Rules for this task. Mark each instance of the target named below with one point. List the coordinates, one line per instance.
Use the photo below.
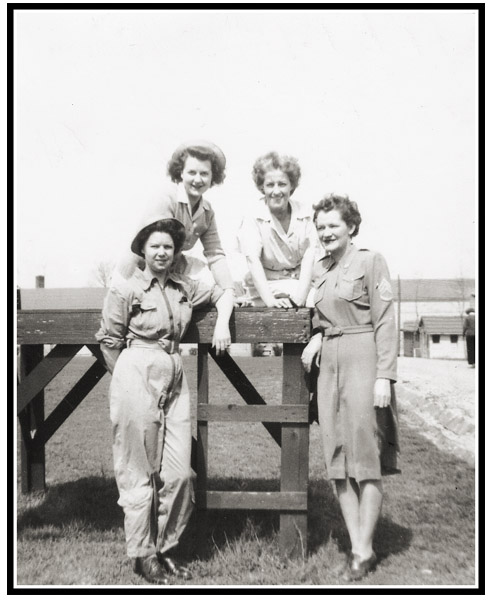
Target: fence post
(202, 449)
(294, 454)
(32, 458)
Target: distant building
(421, 298)
(432, 297)
(434, 337)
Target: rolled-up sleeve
(115, 320)
(202, 293)
(383, 317)
(249, 238)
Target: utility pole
(399, 313)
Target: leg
(348, 495)
(370, 501)
(176, 496)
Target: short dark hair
(273, 161)
(169, 226)
(177, 164)
(348, 209)
(469, 310)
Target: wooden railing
(69, 329)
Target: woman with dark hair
(355, 340)
(143, 321)
(194, 168)
(278, 237)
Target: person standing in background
(469, 332)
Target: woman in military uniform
(356, 343)
(143, 321)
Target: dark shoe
(149, 568)
(173, 567)
(359, 568)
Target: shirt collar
(146, 280)
(344, 261)
(183, 198)
(297, 211)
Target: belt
(293, 273)
(336, 331)
(169, 346)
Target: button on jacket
(354, 310)
(150, 405)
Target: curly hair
(347, 208)
(273, 161)
(177, 163)
(169, 226)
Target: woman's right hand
(310, 352)
(279, 303)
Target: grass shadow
(90, 502)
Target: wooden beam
(253, 414)
(294, 454)
(247, 325)
(217, 500)
(245, 388)
(37, 379)
(72, 399)
(32, 460)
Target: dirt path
(438, 397)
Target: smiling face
(196, 177)
(334, 233)
(159, 251)
(277, 190)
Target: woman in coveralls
(356, 344)
(194, 168)
(143, 321)
(278, 237)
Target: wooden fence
(41, 321)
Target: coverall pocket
(352, 287)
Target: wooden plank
(43, 373)
(294, 454)
(247, 325)
(63, 298)
(72, 399)
(218, 500)
(245, 388)
(33, 460)
(266, 414)
(202, 427)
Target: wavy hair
(274, 161)
(177, 164)
(347, 208)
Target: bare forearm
(260, 281)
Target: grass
(73, 533)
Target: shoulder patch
(384, 287)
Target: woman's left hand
(382, 393)
(221, 337)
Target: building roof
(434, 290)
(410, 326)
(447, 325)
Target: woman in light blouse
(277, 238)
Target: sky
(382, 105)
